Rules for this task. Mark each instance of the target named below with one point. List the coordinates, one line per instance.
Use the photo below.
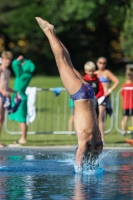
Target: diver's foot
(44, 25)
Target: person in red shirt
(127, 101)
(93, 80)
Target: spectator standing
(23, 70)
(106, 77)
(127, 101)
(6, 58)
(93, 80)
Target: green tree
(88, 28)
(127, 34)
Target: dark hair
(102, 58)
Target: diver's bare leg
(71, 81)
(70, 63)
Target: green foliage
(127, 33)
(19, 16)
(86, 27)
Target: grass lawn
(112, 139)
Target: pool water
(40, 174)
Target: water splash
(91, 165)
(88, 170)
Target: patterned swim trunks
(85, 92)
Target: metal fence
(52, 114)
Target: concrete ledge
(60, 148)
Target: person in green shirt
(23, 70)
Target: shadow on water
(30, 174)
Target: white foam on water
(68, 158)
(87, 171)
(94, 171)
(110, 161)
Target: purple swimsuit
(85, 92)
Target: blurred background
(89, 29)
